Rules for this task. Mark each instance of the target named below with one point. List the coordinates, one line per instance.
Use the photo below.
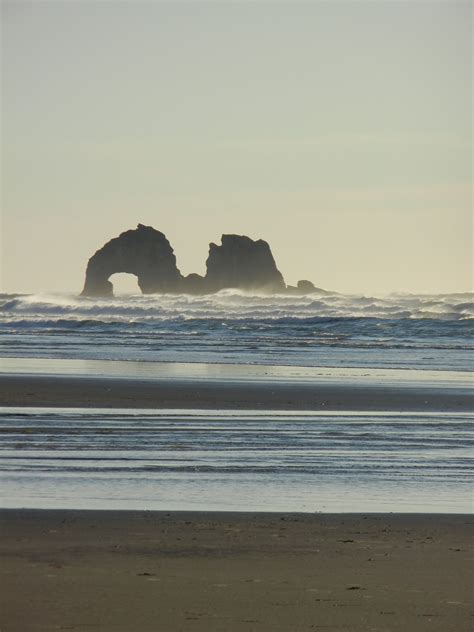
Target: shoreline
(147, 368)
(21, 390)
(223, 515)
(214, 571)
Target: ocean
(239, 460)
(334, 330)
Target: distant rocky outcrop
(237, 263)
(194, 284)
(242, 263)
(144, 252)
(305, 287)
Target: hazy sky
(340, 132)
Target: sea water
(235, 460)
(334, 330)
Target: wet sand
(215, 572)
(108, 392)
(129, 571)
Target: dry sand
(218, 572)
(101, 392)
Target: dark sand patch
(101, 392)
(213, 572)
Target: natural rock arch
(238, 262)
(144, 252)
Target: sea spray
(397, 330)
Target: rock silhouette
(144, 252)
(238, 262)
(304, 287)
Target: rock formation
(305, 287)
(144, 252)
(242, 263)
(238, 263)
(194, 284)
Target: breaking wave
(231, 304)
(231, 326)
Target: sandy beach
(80, 391)
(145, 571)
(139, 571)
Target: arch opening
(125, 284)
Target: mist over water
(394, 331)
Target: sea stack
(242, 263)
(144, 252)
(237, 263)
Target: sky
(340, 132)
